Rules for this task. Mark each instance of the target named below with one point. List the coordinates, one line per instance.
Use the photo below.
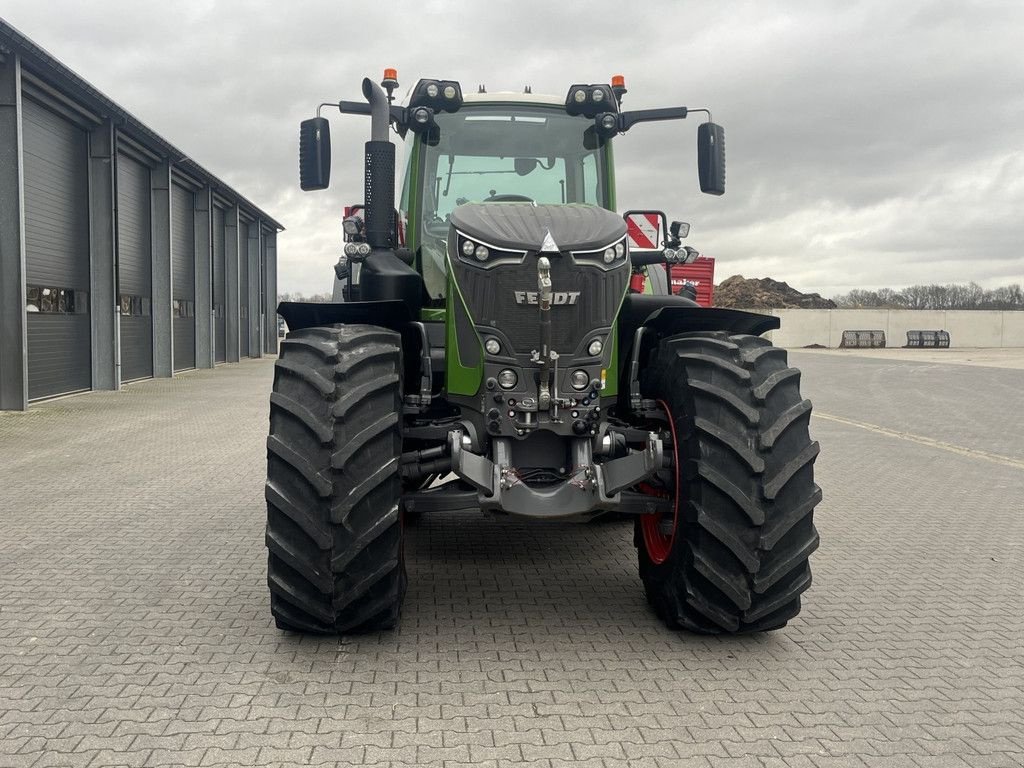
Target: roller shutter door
(183, 266)
(219, 290)
(243, 289)
(134, 268)
(56, 253)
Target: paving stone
(135, 630)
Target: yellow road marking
(995, 458)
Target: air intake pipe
(379, 196)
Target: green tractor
(492, 351)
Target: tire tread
(740, 562)
(334, 535)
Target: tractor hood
(524, 226)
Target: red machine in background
(700, 274)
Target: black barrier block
(862, 340)
(928, 339)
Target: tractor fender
(421, 355)
(393, 315)
(668, 320)
(676, 314)
(662, 316)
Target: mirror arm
(628, 119)
(354, 107)
(396, 113)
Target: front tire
(734, 557)
(334, 532)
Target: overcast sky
(869, 144)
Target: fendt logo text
(558, 297)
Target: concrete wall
(1013, 327)
(805, 327)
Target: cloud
(869, 144)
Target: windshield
(502, 152)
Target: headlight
(579, 380)
(352, 225)
(595, 348)
(364, 249)
(483, 256)
(507, 379)
(610, 256)
(438, 95)
(590, 100)
(493, 346)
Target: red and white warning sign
(644, 230)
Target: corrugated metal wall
(219, 287)
(56, 253)
(183, 276)
(134, 268)
(114, 258)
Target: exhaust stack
(379, 196)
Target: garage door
(243, 288)
(183, 267)
(219, 291)
(56, 253)
(134, 268)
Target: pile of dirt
(765, 293)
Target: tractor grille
(491, 298)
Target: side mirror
(711, 158)
(525, 165)
(314, 154)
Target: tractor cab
(489, 148)
(498, 148)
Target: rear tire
(735, 557)
(334, 532)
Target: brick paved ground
(134, 627)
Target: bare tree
(952, 296)
(316, 298)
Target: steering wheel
(437, 226)
(508, 198)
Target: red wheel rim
(657, 543)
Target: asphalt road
(975, 407)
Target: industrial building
(120, 258)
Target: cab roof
(504, 97)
